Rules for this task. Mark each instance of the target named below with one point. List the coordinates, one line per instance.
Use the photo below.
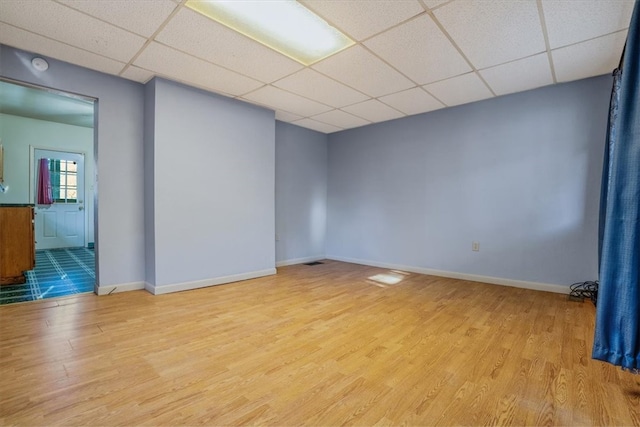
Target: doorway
(40, 123)
(60, 224)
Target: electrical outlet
(475, 246)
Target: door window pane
(64, 180)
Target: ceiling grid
(409, 56)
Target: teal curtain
(617, 332)
(54, 167)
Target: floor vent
(313, 263)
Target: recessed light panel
(283, 25)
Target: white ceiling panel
(340, 119)
(25, 40)
(520, 75)
(412, 101)
(374, 111)
(284, 116)
(414, 56)
(419, 50)
(360, 19)
(197, 35)
(460, 90)
(311, 84)
(434, 3)
(590, 58)
(137, 74)
(182, 67)
(317, 126)
(491, 32)
(280, 99)
(358, 68)
(69, 26)
(572, 21)
(142, 17)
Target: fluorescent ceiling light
(283, 25)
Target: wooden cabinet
(17, 244)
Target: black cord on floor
(582, 290)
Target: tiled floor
(58, 272)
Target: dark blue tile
(58, 272)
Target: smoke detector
(40, 64)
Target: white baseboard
(299, 260)
(536, 286)
(123, 287)
(185, 286)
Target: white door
(61, 225)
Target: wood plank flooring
(321, 345)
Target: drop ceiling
(410, 56)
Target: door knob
(81, 208)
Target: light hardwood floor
(319, 345)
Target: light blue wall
(519, 174)
(301, 193)
(213, 187)
(120, 214)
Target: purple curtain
(44, 194)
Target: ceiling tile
(359, 19)
(137, 74)
(284, 116)
(311, 84)
(491, 32)
(434, 3)
(358, 68)
(278, 99)
(572, 21)
(69, 26)
(374, 111)
(142, 17)
(182, 67)
(412, 101)
(591, 58)
(419, 50)
(340, 119)
(21, 39)
(402, 47)
(197, 35)
(317, 126)
(520, 75)
(460, 90)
